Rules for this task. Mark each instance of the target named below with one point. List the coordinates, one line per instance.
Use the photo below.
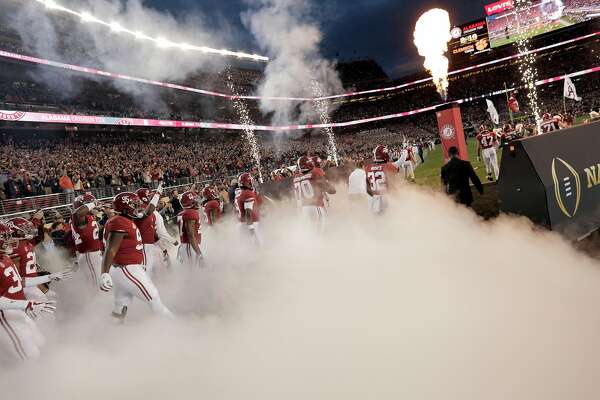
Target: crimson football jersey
(147, 227)
(378, 177)
(27, 261)
(189, 215)
(486, 139)
(87, 237)
(130, 252)
(11, 284)
(246, 199)
(212, 208)
(308, 190)
(549, 126)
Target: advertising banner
(554, 179)
(451, 130)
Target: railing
(62, 201)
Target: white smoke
(429, 302)
(59, 36)
(288, 32)
(431, 36)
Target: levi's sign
(499, 6)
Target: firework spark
(245, 119)
(322, 108)
(524, 18)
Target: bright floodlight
(161, 42)
(164, 43)
(51, 4)
(87, 17)
(115, 27)
(140, 35)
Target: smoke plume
(288, 32)
(429, 302)
(59, 36)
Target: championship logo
(11, 115)
(448, 132)
(567, 187)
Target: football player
(18, 331)
(508, 135)
(407, 156)
(549, 124)
(311, 188)
(190, 230)
(211, 205)
(86, 236)
(379, 174)
(486, 147)
(122, 264)
(247, 204)
(149, 227)
(26, 235)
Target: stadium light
(161, 42)
(87, 17)
(115, 27)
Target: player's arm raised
(154, 202)
(113, 243)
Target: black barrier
(554, 179)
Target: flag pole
(508, 104)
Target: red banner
(499, 6)
(451, 131)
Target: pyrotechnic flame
(431, 36)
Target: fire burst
(245, 120)
(322, 108)
(524, 16)
(431, 36)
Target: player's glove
(37, 308)
(106, 282)
(62, 275)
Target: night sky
(381, 29)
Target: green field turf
(562, 23)
(428, 173)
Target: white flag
(570, 92)
(493, 112)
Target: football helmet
(317, 161)
(22, 229)
(7, 242)
(83, 199)
(210, 193)
(129, 204)
(305, 164)
(546, 117)
(381, 154)
(144, 195)
(189, 199)
(245, 181)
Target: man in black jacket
(455, 178)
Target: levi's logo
(499, 6)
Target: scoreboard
(468, 40)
